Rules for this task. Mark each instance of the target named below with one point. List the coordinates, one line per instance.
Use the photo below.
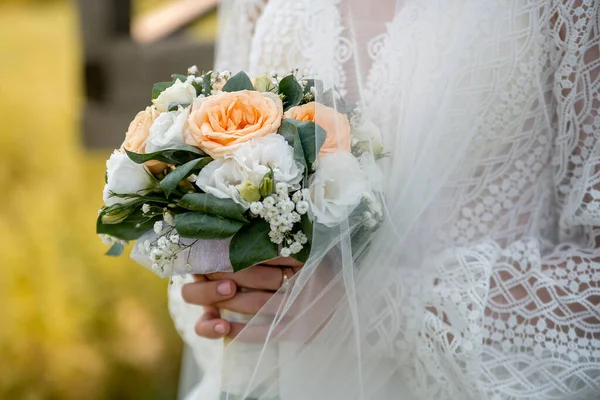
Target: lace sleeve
(545, 308)
(514, 320)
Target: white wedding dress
(486, 283)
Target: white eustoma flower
(178, 93)
(222, 179)
(258, 156)
(125, 177)
(249, 164)
(336, 188)
(167, 130)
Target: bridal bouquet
(249, 164)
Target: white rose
(167, 131)
(179, 93)
(125, 177)
(258, 156)
(336, 188)
(222, 178)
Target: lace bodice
(515, 309)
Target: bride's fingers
(208, 293)
(258, 277)
(284, 262)
(247, 302)
(212, 328)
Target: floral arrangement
(255, 162)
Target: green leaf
(264, 84)
(209, 204)
(117, 213)
(311, 137)
(177, 155)
(131, 228)
(160, 87)
(305, 226)
(170, 182)
(116, 250)
(291, 90)
(239, 81)
(205, 226)
(179, 77)
(288, 130)
(206, 84)
(251, 245)
(175, 106)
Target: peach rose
(220, 124)
(137, 135)
(335, 124)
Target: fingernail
(224, 288)
(220, 328)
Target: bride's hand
(244, 292)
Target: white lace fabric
(491, 113)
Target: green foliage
(205, 226)
(251, 245)
(206, 84)
(306, 138)
(130, 228)
(209, 204)
(264, 84)
(170, 182)
(291, 91)
(239, 81)
(116, 250)
(175, 156)
(175, 106)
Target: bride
(484, 280)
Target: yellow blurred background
(74, 324)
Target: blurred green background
(74, 324)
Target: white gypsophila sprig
(193, 70)
(158, 227)
(163, 252)
(283, 213)
(374, 216)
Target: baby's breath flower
(282, 189)
(300, 237)
(158, 227)
(193, 70)
(256, 208)
(146, 208)
(269, 202)
(302, 207)
(286, 252)
(174, 238)
(162, 241)
(296, 248)
(297, 196)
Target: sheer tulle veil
(402, 313)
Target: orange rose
(335, 124)
(220, 124)
(137, 135)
